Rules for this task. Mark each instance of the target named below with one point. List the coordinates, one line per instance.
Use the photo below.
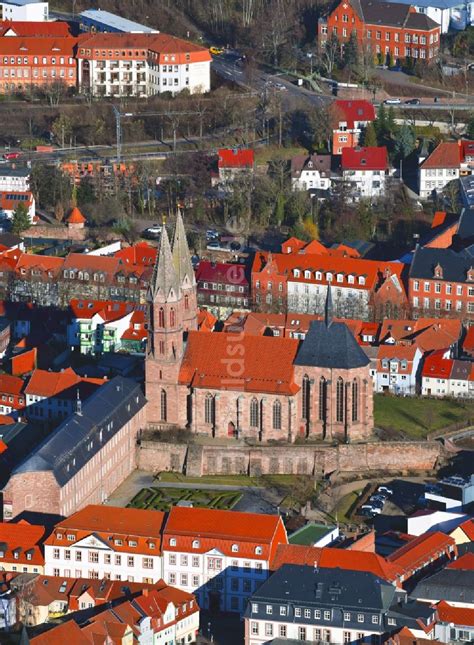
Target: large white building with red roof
(447, 162)
(365, 170)
(125, 64)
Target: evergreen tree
(351, 52)
(370, 136)
(21, 220)
(405, 141)
(391, 125)
(381, 122)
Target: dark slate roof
(330, 346)
(455, 265)
(420, 21)
(341, 590)
(104, 413)
(384, 13)
(407, 612)
(452, 585)
(466, 224)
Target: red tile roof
(224, 272)
(75, 217)
(108, 310)
(9, 200)
(267, 363)
(462, 616)
(44, 263)
(438, 218)
(221, 529)
(436, 366)
(24, 537)
(465, 562)
(11, 384)
(184, 50)
(141, 254)
(25, 362)
(331, 558)
(468, 528)
(36, 29)
(356, 111)
(235, 158)
(371, 158)
(447, 154)
(467, 149)
(68, 632)
(427, 333)
(468, 344)
(422, 550)
(145, 525)
(47, 384)
(32, 46)
(205, 320)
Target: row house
(21, 547)
(222, 286)
(305, 603)
(220, 556)
(126, 64)
(365, 170)
(350, 118)
(311, 172)
(298, 283)
(397, 369)
(86, 458)
(50, 396)
(106, 326)
(100, 543)
(12, 397)
(35, 62)
(159, 615)
(441, 283)
(443, 376)
(449, 161)
(389, 31)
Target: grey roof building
(85, 458)
(454, 265)
(330, 344)
(455, 586)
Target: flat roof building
(94, 20)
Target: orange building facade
(394, 32)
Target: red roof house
(371, 158)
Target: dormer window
(438, 271)
(307, 275)
(310, 164)
(172, 541)
(329, 277)
(118, 542)
(258, 550)
(361, 279)
(318, 275)
(196, 544)
(296, 273)
(350, 279)
(132, 543)
(59, 536)
(71, 537)
(235, 548)
(340, 277)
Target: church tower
(165, 339)
(185, 275)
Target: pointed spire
(328, 312)
(164, 275)
(181, 256)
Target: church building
(237, 385)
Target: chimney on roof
(145, 592)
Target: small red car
(9, 156)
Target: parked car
(10, 156)
(281, 87)
(394, 101)
(385, 489)
(152, 232)
(413, 102)
(211, 233)
(436, 99)
(376, 503)
(213, 245)
(372, 508)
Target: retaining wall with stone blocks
(288, 460)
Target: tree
(59, 212)
(370, 136)
(351, 52)
(405, 141)
(470, 127)
(62, 129)
(331, 54)
(21, 219)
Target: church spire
(164, 280)
(181, 256)
(328, 312)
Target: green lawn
(416, 417)
(342, 510)
(277, 481)
(160, 499)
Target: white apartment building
(98, 326)
(102, 542)
(121, 64)
(365, 170)
(220, 556)
(349, 301)
(24, 10)
(14, 179)
(446, 163)
(311, 172)
(397, 369)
